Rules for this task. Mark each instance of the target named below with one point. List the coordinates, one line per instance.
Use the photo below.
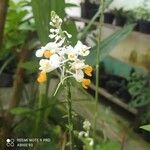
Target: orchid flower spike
(58, 54)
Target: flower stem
(61, 82)
(70, 122)
(97, 63)
(42, 92)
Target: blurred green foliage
(109, 145)
(108, 44)
(139, 90)
(18, 25)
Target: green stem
(97, 63)
(42, 90)
(86, 29)
(70, 122)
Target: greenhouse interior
(74, 74)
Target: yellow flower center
(48, 54)
(71, 56)
(42, 77)
(86, 83)
(88, 70)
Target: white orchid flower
(81, 134)
(58, 54)
(40, 52)
(79, 75)
(52, 46)
(49, 49)
(62, 52)
(45, 65)
(54, 33)
(72, 54)
(51, 64)
(78, 64)
(86, 125)
(56, 21)
(55, 61)
(82, 49)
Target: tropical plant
(140, 92)
(141, 13)
(19, 23)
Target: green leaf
(110, 145)
(71, 29)
(31, 65)
(21, 111)
(41, 12)
(146, 127)
(108, 44)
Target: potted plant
(120, 18)
(131, 19)
(89, 8)
(142, 14)
(109, 17)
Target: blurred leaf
(109, 43)
(31, 65)
(41, 12)
(26, 26)
(146, 127)
(111, 145)
(33, 43)
(16, 30)
(71, 29)
(21, 111)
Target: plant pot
(6, 80)
(108, 18)
(136, 28)
(88, 10)
(120, 20)
(144, 26)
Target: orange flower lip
(88, 70)
(86, 83)
(42, 77)
(48, 54)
